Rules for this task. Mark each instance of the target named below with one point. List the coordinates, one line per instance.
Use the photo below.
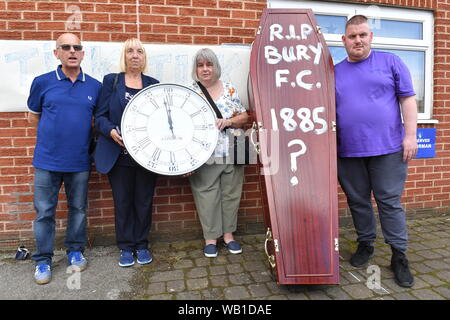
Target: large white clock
(169, 129)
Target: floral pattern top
(229, 105)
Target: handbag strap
(210, 100)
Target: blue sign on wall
(426, 141)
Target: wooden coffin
(291, 91)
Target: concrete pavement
(181, 272)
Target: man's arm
(33, 118)
(409, 113)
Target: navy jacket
(111, 105)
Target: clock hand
(169, 118)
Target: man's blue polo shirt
(64, 129)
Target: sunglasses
(66, 47)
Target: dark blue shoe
(210, 251)
(233, 247)
(77, 260)
(126, 258)
(144, 256)
(43, 274)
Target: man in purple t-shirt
(373, 91)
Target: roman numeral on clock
(172, 157)
(187, 97)
(144, 142)
(195, 113)
(156, 154)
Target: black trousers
(385, 177)
(133, 189)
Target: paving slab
(181, 272)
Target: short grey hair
(207, 55)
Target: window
(405, 32)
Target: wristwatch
(169, 129)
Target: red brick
(192, 30)
(242, 14)
(164, 29)
(179, 38)
(51, 6)
(233, 4)
(184, 3)
(178, 20)
(151, 18)
(168, 208)
(192, 12)
(21, 25)
(218, 13)
(97, 17)
(122, 37)
(205, 21)
(206, 40)
(117, 18)
(21, 6)
(95, 36)
(230, 22)
(161, 2)
(153, 38)
(204, 3)
(109, 8)
(51, 26)
(164, 10)
(110, 27)
(11, 15)
(218, 31)
(23, 225)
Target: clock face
(169, 129)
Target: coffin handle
(255, 144)
(270, 257)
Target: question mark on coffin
(294, 155)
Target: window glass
(396, 29)
(415, 60)
(338, 53)
(331, 24)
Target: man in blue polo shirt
(61, 105)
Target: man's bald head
(67, 38)
(69, 51)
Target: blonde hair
(207, 55)
(131, 42)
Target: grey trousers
(385, 176)
(217, 192)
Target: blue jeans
(46, 188)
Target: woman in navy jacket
(132, 185)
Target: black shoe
(362, 255)
(399, 265)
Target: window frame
(425, 45)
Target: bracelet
(231, 122)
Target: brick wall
(181, 21)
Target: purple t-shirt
(367, 108)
